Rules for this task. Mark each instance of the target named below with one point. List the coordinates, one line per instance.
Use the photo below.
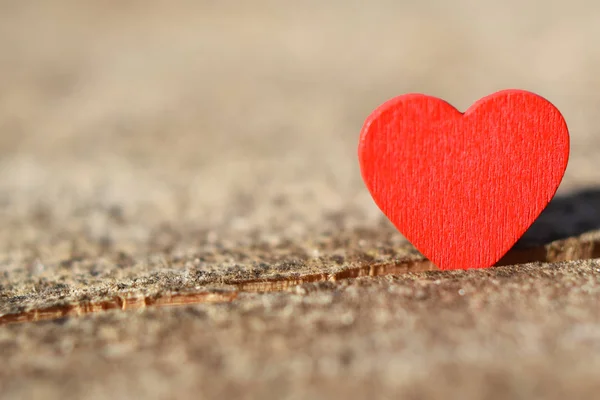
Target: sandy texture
(514, 332)
(152, 150)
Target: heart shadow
(566, 216)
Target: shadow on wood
(567, 216)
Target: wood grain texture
(152, 153)
(463, 188)
(223, 289)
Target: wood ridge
(562, 250)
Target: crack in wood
(116, 303)
(379, 269)
(563, 250)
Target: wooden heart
(464, 187)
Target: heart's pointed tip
(454, 265)
(464, 267)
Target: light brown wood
(161, 152)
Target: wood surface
(463, 188)
(182, 214)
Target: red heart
(463, 188)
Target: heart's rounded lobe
(463, 188)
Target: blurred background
(122, 122)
